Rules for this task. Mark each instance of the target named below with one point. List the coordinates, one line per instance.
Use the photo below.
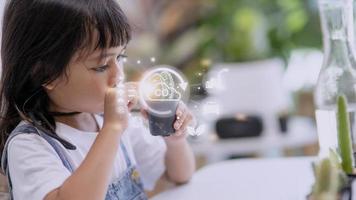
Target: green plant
(330, 173)
(247, 30)
(244, 30)
(194, 35)
(326, 181)
(344, 135)
(329, 178)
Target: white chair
(253, 88)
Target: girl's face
(88, 79)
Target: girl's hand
(116, 109)
(132, 94)
(183, 119)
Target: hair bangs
(107, 27)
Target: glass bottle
(337, 75)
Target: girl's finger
(132, 103)
(132, 94)
(187, 120)
(144, 113)
(180, 119)
(180, 109)
(121, 99)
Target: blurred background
(193, 36)
(251, 65)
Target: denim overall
(126, 187)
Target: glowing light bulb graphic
(161, 90)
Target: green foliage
(326, 184)
(247, 30)
(236, 31)
(344, 135)
(329, 178)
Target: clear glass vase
(337, 75)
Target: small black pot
(346, 191)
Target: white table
(301, 132)
(248, 179)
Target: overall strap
(61, 153)
(29, 129)
(59, 150)
(126, 154)
(4, 163)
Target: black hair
(39, 38)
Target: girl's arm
(90, 180)
(180, 162)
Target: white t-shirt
(36, 169)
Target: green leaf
(344, 136)
(296, 20)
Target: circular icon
(161, 89)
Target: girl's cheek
(99, 88)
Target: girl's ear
(51, 85)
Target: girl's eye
(121, 57)
(101, 69)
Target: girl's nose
(118, 75)
(120, 80)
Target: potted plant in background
(194, 35)
(334, 175)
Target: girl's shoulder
(24, 144)
(25, 135)
(26, 138)
(24, 127)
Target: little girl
(62, 67)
